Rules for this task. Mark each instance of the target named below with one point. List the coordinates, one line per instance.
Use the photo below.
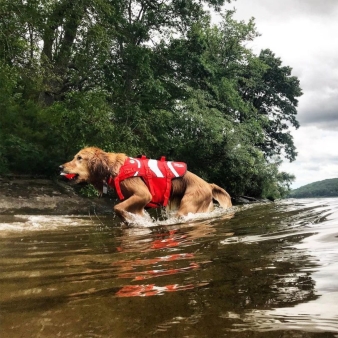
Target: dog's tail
(221, 196)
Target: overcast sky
(304, 34)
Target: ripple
(266, 267)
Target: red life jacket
(157, 175)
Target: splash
(169, 218)
(20, 223)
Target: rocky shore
(28, 195)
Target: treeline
(325, 188)
(144, 76)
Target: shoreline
(22, 194)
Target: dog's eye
(79, 158)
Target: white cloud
(317, 156)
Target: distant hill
(326, 188)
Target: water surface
(270, 270)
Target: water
(264, 271)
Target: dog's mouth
(69, 176)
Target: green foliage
(144, 77)
(325, 188)
(88, 191)
(273, 95)
(20, 135)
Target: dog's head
(88, 165)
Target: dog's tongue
(69, 176)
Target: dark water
(266, 271)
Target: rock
(238, 200)
(46, 196)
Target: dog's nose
(61, 167)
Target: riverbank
(28, 195)
(44, 196)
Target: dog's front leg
(133, 205)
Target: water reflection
(270, 268)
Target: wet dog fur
(189, 194)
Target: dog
(183, 191)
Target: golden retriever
(188, 194)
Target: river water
(268, 270)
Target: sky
(304, 34)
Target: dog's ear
(115, 161)
(98, 166)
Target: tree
(274, 97)
(144, 76)
(227, 131)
